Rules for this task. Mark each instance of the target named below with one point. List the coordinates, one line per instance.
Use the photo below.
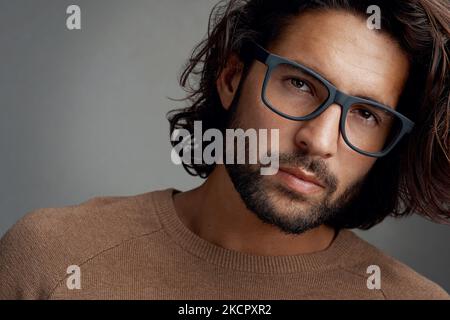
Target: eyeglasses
(298, 93)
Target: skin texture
(359, 62)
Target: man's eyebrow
(373, 100)
(314, 68)
(362, 96)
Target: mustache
(317, 167)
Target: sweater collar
(327, 259)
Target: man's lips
(299, 173)
(300, 180)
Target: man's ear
(228, 80)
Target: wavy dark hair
(415, 177)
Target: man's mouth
(299, 180)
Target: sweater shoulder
(36, 252)
(398, 281)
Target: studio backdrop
(83, 112)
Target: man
(363, 117)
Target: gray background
(83, 112)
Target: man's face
(359, 62)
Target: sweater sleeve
(36, 252)
(24, 261)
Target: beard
(277, 205)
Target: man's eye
(366, 115)
(301, 85)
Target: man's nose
(320, 136)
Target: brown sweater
(136, 247)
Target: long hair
(415, 177)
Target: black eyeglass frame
(345, 101)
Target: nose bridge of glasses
(326, 123)
(338, 98)
(341, 98)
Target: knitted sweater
(136, 247)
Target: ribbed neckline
(329, 258)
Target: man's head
(332, 38)
(354, 59)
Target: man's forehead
(338, 45)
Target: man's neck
(215, 212)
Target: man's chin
(290, 223)
(291, 215)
